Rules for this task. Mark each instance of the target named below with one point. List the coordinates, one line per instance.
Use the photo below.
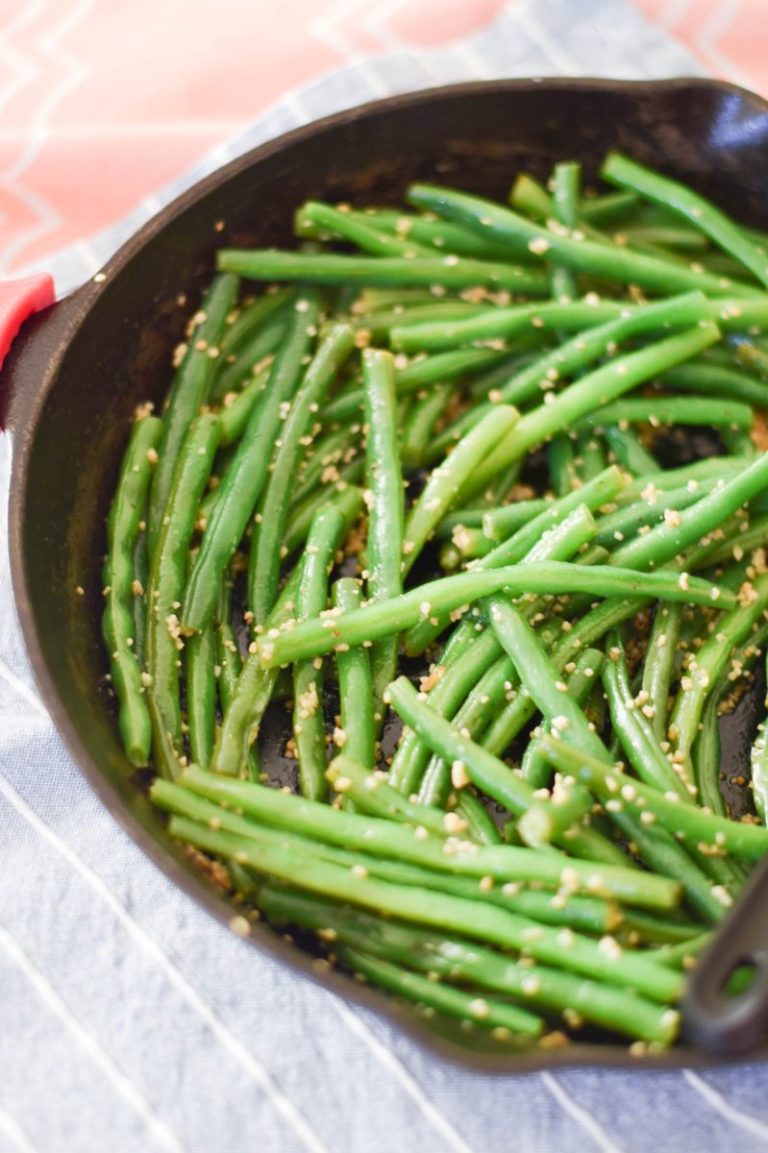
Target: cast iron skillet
(78, 369)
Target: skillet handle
(19, 299)
(713, 1019)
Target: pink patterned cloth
(102, 102)
(729, 37)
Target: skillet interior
(78, 372)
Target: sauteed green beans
(426, 588)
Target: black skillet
(77, 370)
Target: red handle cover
(18, 300)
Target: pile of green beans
(469, 498)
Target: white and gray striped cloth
(129, 1020)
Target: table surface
(130, 1020)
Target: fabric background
(129, 1020)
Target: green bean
(454, 959)
(660, 506)
(534, 766)
(682, 954)
(517, 234)
(419, 428)
(708, 665)
(208, 503)
(527, 348)
(386, 513)
(753, 357)
(494, 522)
(428, 234)
(605, 208)
(636, 737)
(717, 467)
(357, 230)
(370, 793)
(687, 822)
(139, 608)
(257, 353)
(589, 914)
(237, 407)
(659, 666)
(248, 319)
(445, 483)
(534, 200)
(242, 721)
(343, 492)
(474, 544)
(712, 379)
(590, 457)
(701, 213)
(167, 577)
(549, 820)
(188, 392)
(563, 477)
(311, 600)
(485, 1013)
(199, 665)
(481, 826)
(378, 325)
(390, 839)
(540, 677)
(313, 638)
(417, 375)
(250, 695)
(566, 193)
(245, 479)
(667, 930)
(372, 297)
(493, 324)
(531, 197)
(738, 537)
(596, 388)
(228, 659)
(355, 685)
(325, 454)
(660, 236)
(265, 557)
(628, 450)
(706, 757)
(330, 268)
(440, 910)
(739, 442)
(668, 540)
(124, 596)
(671, 410)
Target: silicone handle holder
(18, 300)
